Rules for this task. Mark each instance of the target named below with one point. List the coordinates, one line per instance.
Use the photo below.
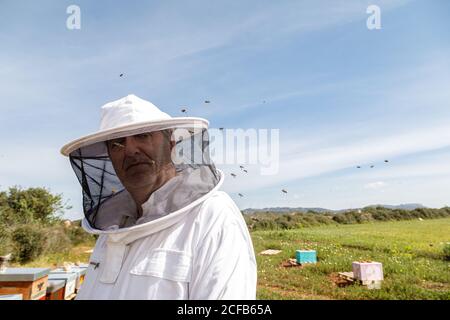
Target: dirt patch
(339, 281)
(290, 263)
(428, 255)
(357, 247)
(436, 286)
(306, 243)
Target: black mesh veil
(106, 202)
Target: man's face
(139, 159)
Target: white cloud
(315, 162)
(375, 185)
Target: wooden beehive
(55, 290)
(81, 275)
(80, 272)
(30, 282)
(70, 283)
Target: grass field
(77, 254)
(411, 253)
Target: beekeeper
(151, 193)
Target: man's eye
(117, 144)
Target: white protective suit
(191, 241)
(204, 251)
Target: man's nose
(131, 146)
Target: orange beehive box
(30, 282)
(55, 290)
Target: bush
(272, 221)
(5, 240)
(311, 219)
(264, 225)
(57, 240)
(446, 251)
(341, 219)
(8, 218)
(77, 235)
(30, 224)
(29, 243)
(284, 222)
(324, 219)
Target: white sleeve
(224, 265)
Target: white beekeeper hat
(103, 192)
(132, 115)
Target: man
(132, 159)
(150, 191)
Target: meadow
(411, 253)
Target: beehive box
(11, 297)
(55, 290)
(30, 282)
(70, 283)
(80, 272)
(367, 271)
(306, 256)
(81, 275)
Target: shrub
(271, 221)
(5, 240)
(56, 240)
(324, 219)
(7, 216)
(78, 236)
(311, 219)
(264, 225)
(446, 251)
(341, 218)
(29, 242)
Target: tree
(33, 204)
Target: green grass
(411, 253)
(76, 254)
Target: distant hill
(406, 206)
(284, 210)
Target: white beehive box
(79, 271)
(367, 271)
(70, 278)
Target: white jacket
(202, 251)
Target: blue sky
(341, 95)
